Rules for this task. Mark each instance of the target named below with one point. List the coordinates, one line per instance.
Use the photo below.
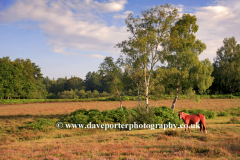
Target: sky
(72, 37)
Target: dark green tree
(20, 79)
(114, 75)
(184, 50)
(227, 67)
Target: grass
(57, 110)
(19, 141)
(112, 98)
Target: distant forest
(23, 79)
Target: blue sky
(72, 37)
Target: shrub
(42, 124)
(81, 93)
(125, 98)
(72, 94)
(237, 94)
(141, 116)
(95, 94)
(77, 119)
(222, 113)
(118, 115)
(206, 113)
(95, 116)
(80, 111)
(167, 115)
(52, 96)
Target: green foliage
(143, 49)
(80, 111)
(190, 93)
(237, 94)
(77, 118)
(227, 67)
(228, 96)
(112, 98)
(52, 96)
(113, 74)
(139, 115)
(233, 111)
(184, 71)
(212, 114)
(206, 113)
(20, 79)
(222, 113)
(167, 115)
(44, 125)
(72, 94)
(118, 115)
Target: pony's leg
(186, 128)
(203, 120)
(200, 127)
(204, 128)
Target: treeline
(23, 79)
(20, 79)
(95, 85)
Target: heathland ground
(16, 142)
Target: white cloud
(113, 6)
(122, 16)
(77, 25)
(71, 24)
(216, 23)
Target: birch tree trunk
(120, 98)
(138, 96)
(175, 99)
(146, 97)
(146, 88)
(156, 103)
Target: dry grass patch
(221, 141)
(59, 109)
(138, 144)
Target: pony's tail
(203, 121)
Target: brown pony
(193, 119)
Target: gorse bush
(222, 113)
(167, 115)
(44, 125)
(206, 113)
(139, 115)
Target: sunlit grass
(19, 142)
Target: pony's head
(180, 115)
